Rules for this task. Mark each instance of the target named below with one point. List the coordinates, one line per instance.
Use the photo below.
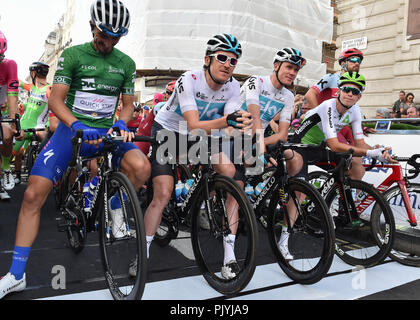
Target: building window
(413, 23)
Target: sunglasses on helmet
(222, 58)
(299, 61)
(355, 91)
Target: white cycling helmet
(290, 55)
(224, 42)
(111, 17)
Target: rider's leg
(163, 186)
(226, 168)
(6, 153)
(136, 167)
(28, 221)
(7, 146)
(357, 170)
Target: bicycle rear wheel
(225, 197)
(368, 242)
(122, 238)
(406, 248)
(311, 242)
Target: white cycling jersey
(324, 122)
(191, 92)
(260, 91)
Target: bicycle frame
(338, 176)
(397, 176)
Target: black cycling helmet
(41, 69)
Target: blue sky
(26, 24)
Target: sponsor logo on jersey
(194, 76)
(202, 96)
(88, 84)
(330, 122)
(48, 155)
(86, 67)
(111, 69)
(251, 83)
(60, 64)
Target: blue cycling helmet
(224, 42)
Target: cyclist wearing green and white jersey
(325, 121)
(323, 124)
(36, 111)
(84, 96)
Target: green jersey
(36, 109)
(95, 82)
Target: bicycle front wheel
(227, 212)
(406, 248)
(310, 244)
(368, 239)
(122, 238)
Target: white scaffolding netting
(173, 34)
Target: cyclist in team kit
(202, 99)
(9, 89)
(325, 121)
(85, 92)
(36, 112)
(327, 88)
(267, 99)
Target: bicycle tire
(406, 248)
(114, 263)
(168, 228)
(30, 158)
(312, 239)
(371, 243)
(208, 244)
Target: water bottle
(178, 191)
(89, 189)
(259, 188)
(186, 188)
(249, 191)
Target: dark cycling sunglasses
(299, 61)
(355, 91)
(108, 31)
(222, 58)
(355, 59)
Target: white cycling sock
(229, 248)
(284, 237)
(149, 240)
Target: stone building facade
(392, 50)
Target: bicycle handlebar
(413, 161)
(77, 140)
(16, 121)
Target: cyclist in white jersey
(266, 98)
(197, 98)
(325, 121)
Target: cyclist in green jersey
(36, 111)
(84, 96)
